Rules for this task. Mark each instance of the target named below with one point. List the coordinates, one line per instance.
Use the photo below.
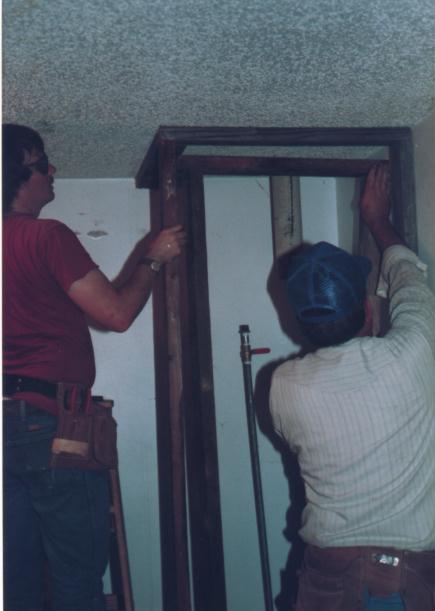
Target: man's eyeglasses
(41, 165)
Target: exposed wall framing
(187, 445)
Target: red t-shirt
(45, 334)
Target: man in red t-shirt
(50, 285)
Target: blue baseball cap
(325, 283)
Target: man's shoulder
(343, 368)
(316, 357)
(52, 224)
(45, 237)
(52, 230)
(297, 367)
(29, 223)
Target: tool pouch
(86, 431)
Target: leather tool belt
(86, 431)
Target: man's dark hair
(334, 332)
(17, 139)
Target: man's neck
(25, 207)
(367, 328)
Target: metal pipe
(246, 354)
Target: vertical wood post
(286, 213)
(169, 389)
(208, 574)
(403, 190)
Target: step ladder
(121, 598)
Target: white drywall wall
(319, 208)
(347, 196)
(328, 210)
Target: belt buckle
(385, 559)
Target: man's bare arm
(375, 207)
(116, 305)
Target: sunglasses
(41, 165)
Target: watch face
(155, 266)
(152, 264)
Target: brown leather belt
(341, 557)
(13, 384)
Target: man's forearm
(135, 292)
(113, 308)
(115, 305)
(375, 207)
(384, 234)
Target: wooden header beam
(147, 176)
(273, 166)
(283, 136)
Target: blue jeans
(55, 519)
(366, 578)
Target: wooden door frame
(190, 518)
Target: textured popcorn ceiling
(97, 77)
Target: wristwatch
(152, 264)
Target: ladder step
(121, 595)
